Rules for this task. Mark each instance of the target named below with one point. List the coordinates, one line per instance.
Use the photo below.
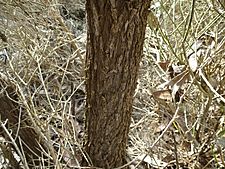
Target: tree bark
(115, 37)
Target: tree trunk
(115, 37)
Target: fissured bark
(115, 37)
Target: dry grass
(46, 64)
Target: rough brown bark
(116, 31)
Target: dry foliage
(180, 96)
(42, 60)
(178, 117)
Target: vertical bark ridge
(114, 50)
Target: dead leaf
(164, 95)
(153, 21)
(193, 63)
(164, 65)
(153, 161)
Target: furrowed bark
(116, 31)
